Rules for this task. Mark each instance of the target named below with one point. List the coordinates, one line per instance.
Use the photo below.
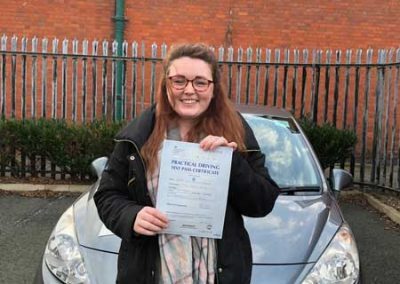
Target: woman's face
(187, 101)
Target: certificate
(193, 188)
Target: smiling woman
(191, 106)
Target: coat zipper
(140, 156)
(216, 268)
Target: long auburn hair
(220, 119)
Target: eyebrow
(199, 76)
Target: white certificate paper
(193, 188)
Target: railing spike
(14, 41)
(230, 54)
(135, 49)
(105, 48)
(65, 46)
(221, 51)
(4, 42)
(95, 46)
(85, 47)
(24, 44)
(34, 44)
(55, 45)
(44, 45)
(125, 48)
(154, 50)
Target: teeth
(189, 101)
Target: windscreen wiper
(293, 189)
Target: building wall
(80, 19)
(309, 24)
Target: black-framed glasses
(200, 84)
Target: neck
(184, 127)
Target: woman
(191, 106)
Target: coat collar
(140, 128)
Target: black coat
(123, 193)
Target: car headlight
(62, 255)
(339, 263)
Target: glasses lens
(200, 84)
(178, 82)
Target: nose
(189, 87)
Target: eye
(199, 82)
(178, 80)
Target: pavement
(389, 211)
(21, 187)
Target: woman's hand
(211, 142)
(149, 221)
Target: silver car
(305, 239)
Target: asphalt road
(26, 222)
(378, 242)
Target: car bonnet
(297, 230)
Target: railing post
(336, 91)
(376, 145)
(355, 107)
(257, 87)
(276, 79)
(346, 87)
(286, 59)
(365, 115)
(3, 77)
(24, 45)
(153, 72)
(34, 77)
(123, 80)
(296, 55)
(85, 47)
(249, 59)
(104, 79)
(394, 127)
(239, 75)
(64, 79)
(134, 78)
(54, 101)
(266, 77)
(327, 83)
(303, 84)
(74, 79)
(230, 76)
(44, 76)
(95, 46)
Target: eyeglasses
(199, 84)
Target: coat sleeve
(252, 191)
(116, 208)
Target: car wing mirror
(341, 180)
(98, 166)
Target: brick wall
(274, 24)
(70, 19)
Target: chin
(189, 114)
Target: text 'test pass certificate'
(193, 188)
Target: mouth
(189, 101)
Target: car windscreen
(288, 157)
